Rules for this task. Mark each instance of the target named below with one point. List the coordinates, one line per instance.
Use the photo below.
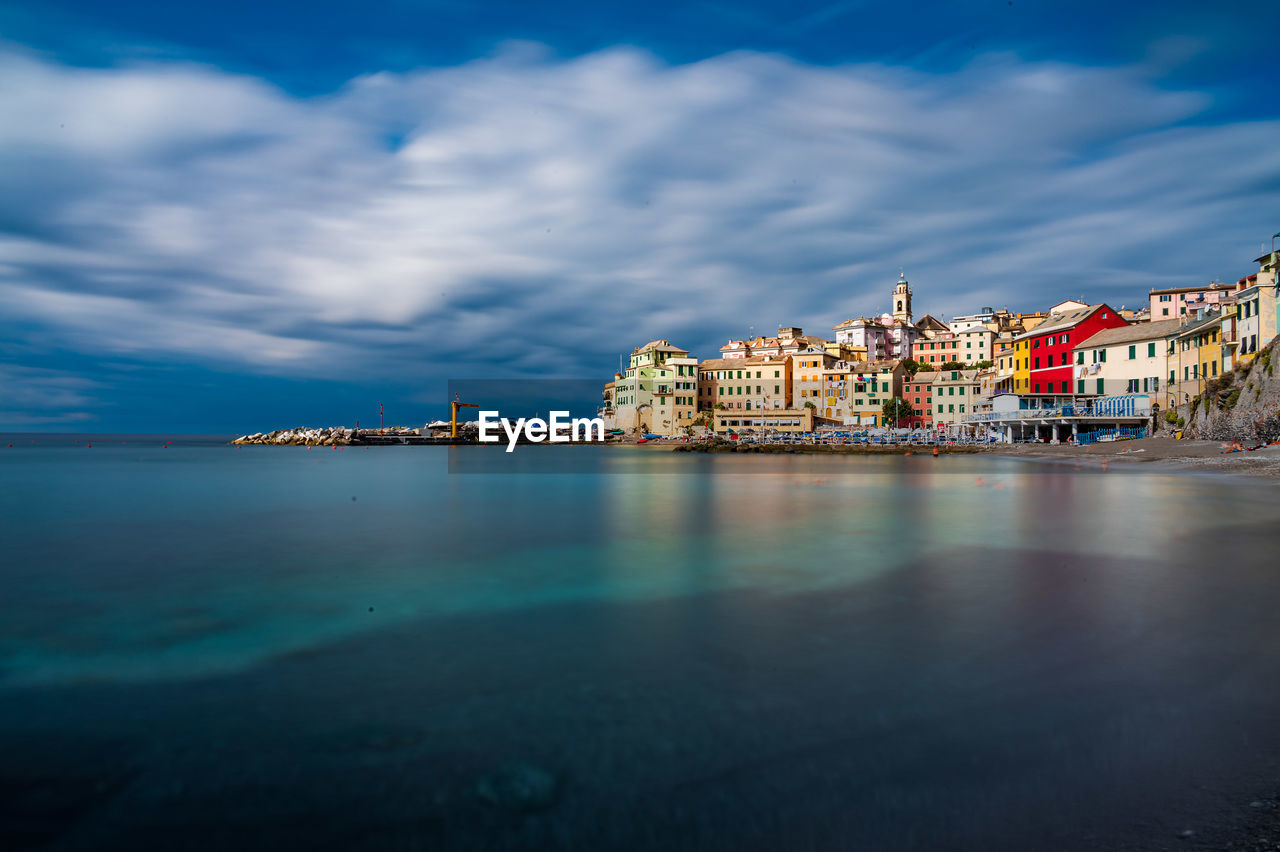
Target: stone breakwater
(332, 436)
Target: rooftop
(657, 346)
(1130, 333)
(1069, 319)
(1207, 288)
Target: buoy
(935, 451)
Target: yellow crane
(454, 405)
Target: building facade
(955, 392)
(1131, 359)
(1044, 357)
(744, 384)
(1174, 302)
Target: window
(1037, 388)
(1066, 358)
(1080, 357)
(1080, 386)
(1100, 386)
(1151, 350)
(1133, 352)
(1036, 344)
(1037, 363)
(1164, 312)
(951, 409)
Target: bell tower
(902, 299)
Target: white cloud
(528, 204)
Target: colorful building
(955, 392)
(1195, 356)
(1129, 359)
(1044, 356)
(1174, 302)
(744, 384)
(933, 352)
(807, 376)
(918, 391)
(634, 389)
(854, 393)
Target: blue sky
(252, 215)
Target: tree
(912, 366)
(896, 410)
(951, 365)
(984, 365)
(811, 405)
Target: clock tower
(902, 300)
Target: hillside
(1242, 405)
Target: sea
(205, 646)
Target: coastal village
(1066, 373)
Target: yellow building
(1195, 356)
(807, 370)
(1022, 366)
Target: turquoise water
(222, 646)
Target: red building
(1045, 351)
(918, 391)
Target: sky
(235, 217)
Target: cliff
(1242, 405)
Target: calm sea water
(210, 647)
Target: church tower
(902, 300)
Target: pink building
(1173, 302)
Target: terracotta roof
(1141, 331)
(924, 377)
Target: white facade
(1124, 360)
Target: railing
(1123, 433)
(1023, 414)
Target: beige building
(744, 384)
(955, 392)
(782, 420)
(976, 345)
(1130, 359)
(854, 393)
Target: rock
(519, 787)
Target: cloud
(526, 214)
(32, 397)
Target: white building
(1130, 359)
